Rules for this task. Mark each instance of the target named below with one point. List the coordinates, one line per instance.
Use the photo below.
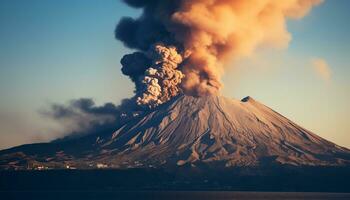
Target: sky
(55, 51)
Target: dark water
(211, 195)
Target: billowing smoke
(155, 74)
(161, 80)
(83, 117)
(184, 45)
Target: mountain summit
(189, 131)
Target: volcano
(188, 131)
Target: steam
(184, 45)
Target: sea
(169, 195)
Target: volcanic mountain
(188, 131)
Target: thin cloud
(321, 68)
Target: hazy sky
(54, 51)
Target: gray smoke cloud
(83, 117)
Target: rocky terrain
(211, 131)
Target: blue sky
(54, 51)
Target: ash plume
(206, 34)
(160, 82)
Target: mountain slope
(214, 131)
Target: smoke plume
(83, 117)
(184, 45)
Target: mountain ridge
(192, 131)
